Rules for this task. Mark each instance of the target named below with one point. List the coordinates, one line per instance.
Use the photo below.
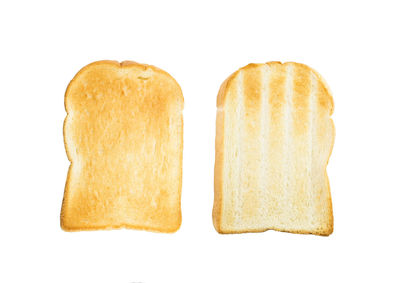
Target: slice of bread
(273, 141)
(123, 136)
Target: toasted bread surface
(123, 135)
(274, 136)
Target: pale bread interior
(274, 139)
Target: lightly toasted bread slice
(123, 137)
(274, 136)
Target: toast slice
(123, 137)
(274, 136)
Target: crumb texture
(273, 142)
(123, 136)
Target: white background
(353, 44)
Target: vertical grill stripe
(288, 125)
(265, 121)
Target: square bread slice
(274, 137)
(123, 137)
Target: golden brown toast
(123, 137)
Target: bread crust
(100, 191)
(326, 100)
